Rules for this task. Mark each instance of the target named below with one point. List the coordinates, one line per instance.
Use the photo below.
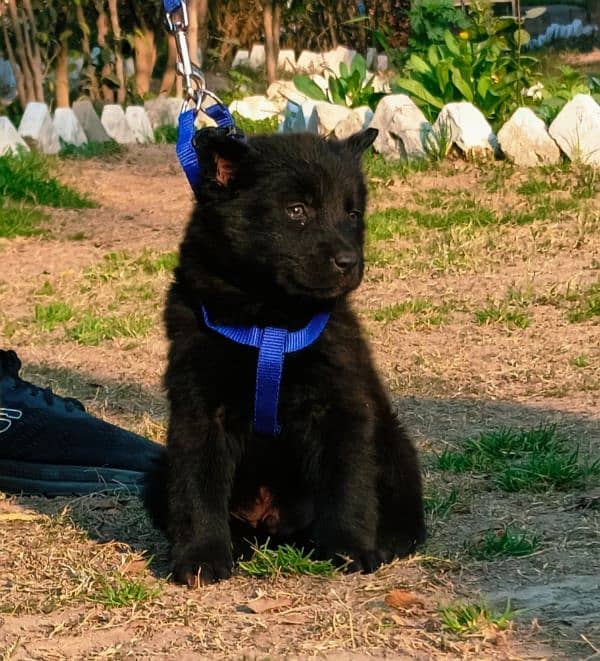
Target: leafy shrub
(555, 92)
(429, 20)
(255, 126)
(165, 134)
(483, 65)
(352, 88)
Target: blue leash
(272, 345)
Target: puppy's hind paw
(194, 570)
(365, 562)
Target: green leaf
(417, 89)
(418, 64)
(442, 72)
(432, 55)
(337, 92)
(344, 73)
(307, 86)
(452, 43)
(359, 64)
(483, 85)
(461, 84)
(522, 37)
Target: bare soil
(449, 380)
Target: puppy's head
(282, 212)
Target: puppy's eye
(297, 212)
(354, 215)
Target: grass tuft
(26, 177)
(464, 619)
(20, 221)
(91, 330)
(440, 505)
(528, 460)
(108, 149)
(50, 315)
(504, 543)
(588, 304)
(165, 134)
(502, 313)
(285, 561)
(124, 592)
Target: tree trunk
(192, 31)
(119, 68)
(145, 58)
(270, 54)
(62, 75)
(21, 55)
(166, 84)
(90, 73)
(202, 29)
(102, 26)
(36, 57)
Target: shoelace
(49, 397)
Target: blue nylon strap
(272, 345)
(171, 5)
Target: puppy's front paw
(201, 565)
(355, 560)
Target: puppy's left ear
(219, 154)
(358, 143)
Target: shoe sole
(28, 478)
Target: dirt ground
(450, 379)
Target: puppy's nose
(345, 261)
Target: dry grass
(88, 577)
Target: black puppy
(276, 240)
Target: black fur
(271, 242)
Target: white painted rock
(325, 117)
(255, 107)
(241, 59)
(68, 128)
(36, 127)
(525, 141)
(335, 57)
(381, 83)
(140, 124)
(357, 120)
(293, 119)
(463, 125)
(90, 122)
(163, 111)
(116, 125)
(10, 140)
(309, 62)
(576, 129)
(257, 57)
(286, 60)
(382, 63)
(371, 57)
(402, 126)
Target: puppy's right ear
(219, 154)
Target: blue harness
(272, 343)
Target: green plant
(503, 313)
(554, 92)
(468, 618)
(26, 177)
(107, 149)
(286, 561)
(430, 19)
(256, 126)
(483, 65)
(351, 88)
(92, 330)
(20, 221)
(123, 592)
(241, 84)
(165, 134)
(52, 314)
(439, 505)
(588, 305)
(502, 543)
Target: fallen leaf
(402, 599)
(264, 604)
(19, 516)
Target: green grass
(20, 221)
(285, 561)
(463, 618)
(508, 542)
(124, 592)
(91, 329)
(587, 304)
(387, 224)
(165, 134)
(428, 313)
(535, 460)
(255, 126)
(380, 170)
(50, 315)
(26, 178)
(439, 505)
(122, 264)
(580, 361)
(108, 149)
(502, 313)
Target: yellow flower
(463, 35)
(495, 78)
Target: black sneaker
(49, 445)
